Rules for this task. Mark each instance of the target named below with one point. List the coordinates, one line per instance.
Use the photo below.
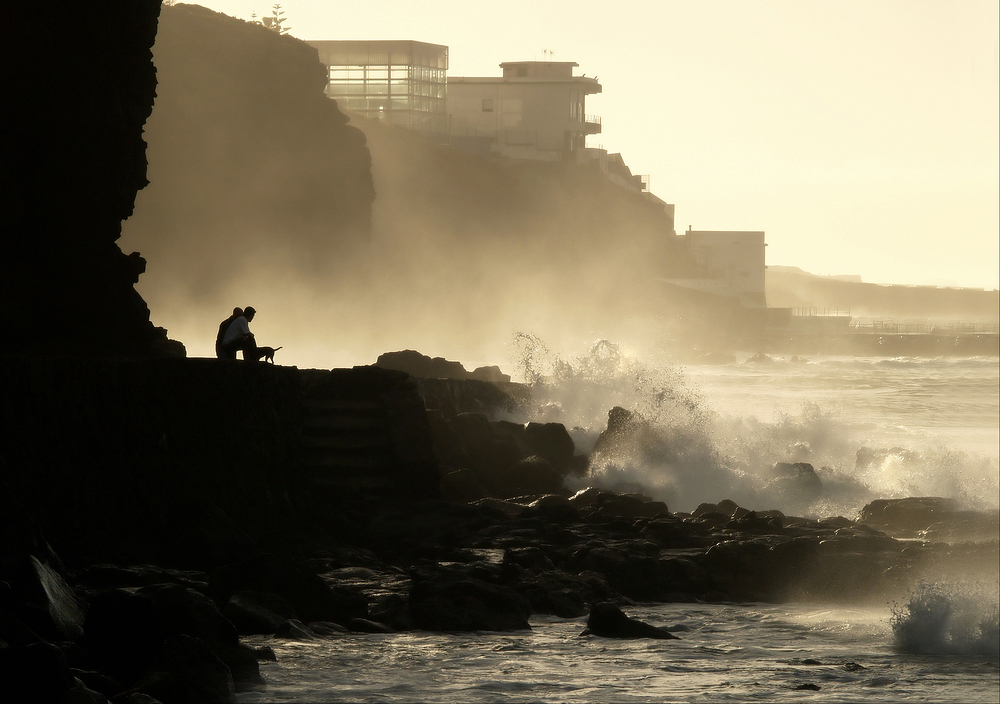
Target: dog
(267, 353)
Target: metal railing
(810, 312)
(925, 328)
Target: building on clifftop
(399, 82)
(536, 110)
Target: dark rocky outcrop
(609, 621)
(159, 634)
(930, 518)
(311, 598)
(69, 172)
(453, 601)
(416, 364)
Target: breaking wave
(948, 620)
(688, 453)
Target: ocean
(871, 427)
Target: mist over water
(924, 427)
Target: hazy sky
(862, 136)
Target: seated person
(223, 329)
(239, 337)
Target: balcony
(589, 124)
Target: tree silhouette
(276, 21)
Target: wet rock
(909, 514)
(797, 478)
(327, 628)
(626, 570)
(80, 693)
(100, 577)
(126, 632)
(462, 485)
(608, 621)
(417, 364)
(552, 442)
(532, 559)
(257, 612)
(293, 629)
(964, 525)
(34, 673)
(532, 475)
(310, 597)
(186, 671)
(627, 433)
(364, 625)
(448, 601)
(501, 508)
(35, 594)
(610, 503)
(557, 593)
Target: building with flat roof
(728, 263)
(535, 110)
(400, 82)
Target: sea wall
(187, 461)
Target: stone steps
(347, 443)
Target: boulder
(416, 364)
(551, 441)
(556, 593)
(311, 597)
(255, 613)
(491, 373)
(187, 671)
(127, 631)
(38, 596)
(914, 513)
(448, 601)
(293, 629)
(608, 621)
(611, 504)
(798, 478)
(531, 476)
(34, 673)
(462, 485)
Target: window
(487, 104)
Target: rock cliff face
(246, 156)
(78, 85)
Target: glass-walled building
(399, 82)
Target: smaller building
(728, 264)
(401, 82)
(535, 110)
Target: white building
(535, 110)
(729, 264)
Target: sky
(862, 136)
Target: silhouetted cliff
(246, 154)
(78, 84)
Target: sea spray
(943, 619)
(701, 452)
